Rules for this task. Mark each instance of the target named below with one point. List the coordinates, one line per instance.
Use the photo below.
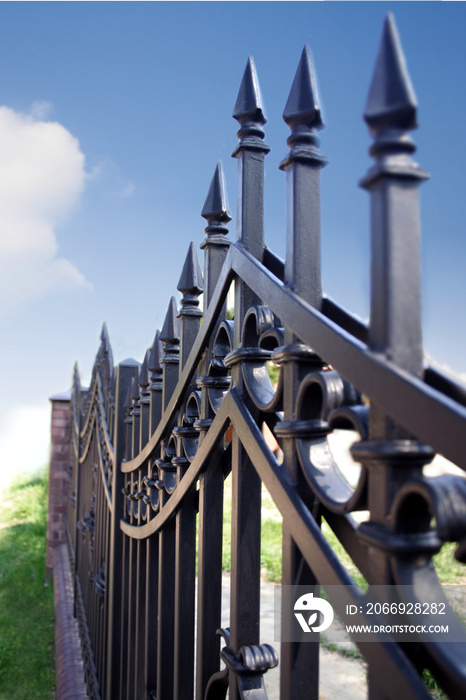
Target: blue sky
(112, 118)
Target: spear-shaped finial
(170, 332)
(143, 381)
(104, 337)
(154, 364)
(143, 377)
(391, 103)
(216, 212)
(302, 114)
(216, 207)
(302, 107)
(395, 324)
(127, 403)
(249, 107)
(250, 151)
(170, 336)
(135, 392)
(249, 112)
(104, 332)
(191, 284)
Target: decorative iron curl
(261, 335)
(217, 382)
(441, 498)
(167, 471)
(326, 401)
(249, 665)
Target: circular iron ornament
(325, 401)
(142, 505)
(191, 417)
(441, 497)
(133, 500)
(182, 433)
(150, 482)
(260, 337)
(218, 381)
(127, 492)
(166, 469)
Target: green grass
(271, 536)
(449, 570)
(27, 659)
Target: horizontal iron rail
(429, 414)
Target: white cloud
(42, 175)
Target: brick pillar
(59, 461)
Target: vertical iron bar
(105, 613)
(126, 510)
(209, 597)
(395, 325)
(246, 485)
(76, 418)
(191, 286)
(140, 618)
(165, 637)
(125, 373)
(390, 453)
(155, 413)
(99, 530)
(299, 668)
(133, 545)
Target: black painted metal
(153, 443)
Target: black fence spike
(391, 103)
(104, 332)
(143, 377)
(191, 276)
(249, 106)
(216, 207)
(154, 363)
(302, 107)
(135, 393)
(171, 326)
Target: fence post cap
(64, 396)
(154, 364)
(249, 106)
(129, 362)
(216, 207)
(191, 281)
(391, 102)
(171, 327)
(302, 107)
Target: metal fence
(154, 442)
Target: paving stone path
(341, 677)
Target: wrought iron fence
(154, 442)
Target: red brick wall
(59, 461)
(68, 659)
